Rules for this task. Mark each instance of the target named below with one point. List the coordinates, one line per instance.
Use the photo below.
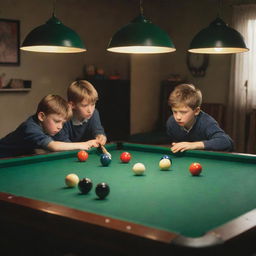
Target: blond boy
(85, 123)
(191, 128)
(38, 130)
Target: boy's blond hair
(54, 104)
(185, 94)
(82, 90)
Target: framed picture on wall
(9, 42)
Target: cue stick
(104, 150)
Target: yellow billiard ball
(71, 180)
(165, 164)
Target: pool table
(162, 212)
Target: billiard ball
(104, 151)
(125, 157)
(165, 157)
(82, 156)
(105, 159)
(165, 164)
(85, 185)
(195, 169)
(102, 190)
(138, 168)
(71, 180)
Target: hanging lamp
(218, 38)
(141, 37)
(53, 37)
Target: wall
(182, 20)
(214, 85)
(96, 21)
(145, 93)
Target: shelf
(16, 90)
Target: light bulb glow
(52, 49)
(141, 49)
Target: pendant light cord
(219, 8)
(141, 8)
(54, 7)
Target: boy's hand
(183, 146)
(101, 139)
(40, 151)
(62, 146)
(91, 144)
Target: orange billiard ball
(82, 156)
(195, 169)
(125, 157)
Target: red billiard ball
(82, 156)
(195, 169)
(125, 157)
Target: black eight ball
(102, 190)
(85, 185)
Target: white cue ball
(138, 168)
(71, 180)
(165, 164)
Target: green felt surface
(170, 200)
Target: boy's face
(51, 123)
(83, 110)
(184, 115)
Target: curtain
(242, 88)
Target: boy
(85, 123)
(191, 128)
(37, 131)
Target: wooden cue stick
(104, 150)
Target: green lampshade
(53, 37)
(218, 38)
(141, 36)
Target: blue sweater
(27, 137)
(86, 131)
(205, 129)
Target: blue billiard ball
(105, 159)
(166, 157)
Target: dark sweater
(205, 129)
(27, 137)
(86, 131)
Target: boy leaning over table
(189, 127)
(36, 133)
(85, 124)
